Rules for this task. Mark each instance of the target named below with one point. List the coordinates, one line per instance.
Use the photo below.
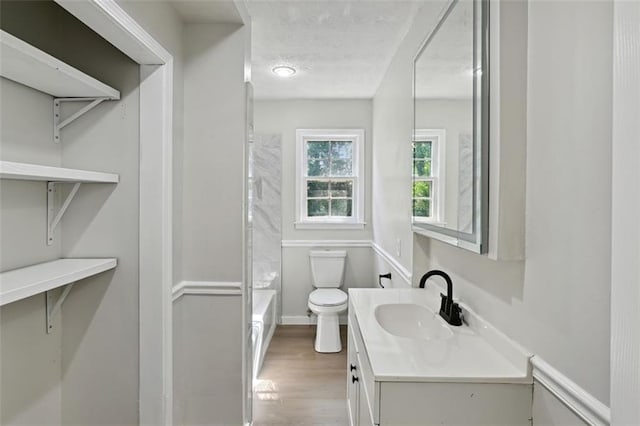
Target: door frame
(625, 230)
(110, 21)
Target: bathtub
(264, 324)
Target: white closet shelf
(25, 282)
(34, 68)
(25, 171)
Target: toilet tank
(327, 268)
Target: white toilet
(328, 301)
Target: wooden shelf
(34, 68)
(25, 282)
(24, 171)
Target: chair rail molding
(208, 288)
(403, 272)
(326, 243)
(578, 400)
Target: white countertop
(476, 353)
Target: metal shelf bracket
(59, 123)
(54, 307)
(53, 217)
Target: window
(330, 178)
(428, 173)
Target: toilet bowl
(327, 304)
(327, 301)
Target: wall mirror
(450, 137)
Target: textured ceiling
(340, 49)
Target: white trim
(208, 288)
(326, 243)
(582, 403)
(404, 273)
(108, 19)
(329, 225)
(357, 136)
(625, 210)
(307, 319)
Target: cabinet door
(353, 387)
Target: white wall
(392, 135)
(208, 359)
(68, 377)
(208, 381)
(214, 120)
(283, 118)
(557, 302)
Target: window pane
(422, 168)
(342, 189)
(422, 150)
(318, 168)
(341, 208)
(317, 189)
(341, 168)
(422, 208)
(341, 150)
(317, 208)
(317, 150)
(422, 189)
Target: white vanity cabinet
(379, 398)
(359, 404)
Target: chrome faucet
(449, 310)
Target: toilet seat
(328, 297)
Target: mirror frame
(477, 240)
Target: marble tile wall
(266, 160)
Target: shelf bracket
(53, 217)
(59, 123)
(54, 307)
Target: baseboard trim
(306, 320)
(578, 400)
(215, 288)
(404, 274)
(326, 243)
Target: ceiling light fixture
(283, 71)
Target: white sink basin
(412, 321)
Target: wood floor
(298, 386)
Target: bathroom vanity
(406, 366)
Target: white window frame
(438, 139)
(356, 221)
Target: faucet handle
(444, 300)
(456, 314)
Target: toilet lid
(328, 297)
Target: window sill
(329, 225)
(429, 222)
